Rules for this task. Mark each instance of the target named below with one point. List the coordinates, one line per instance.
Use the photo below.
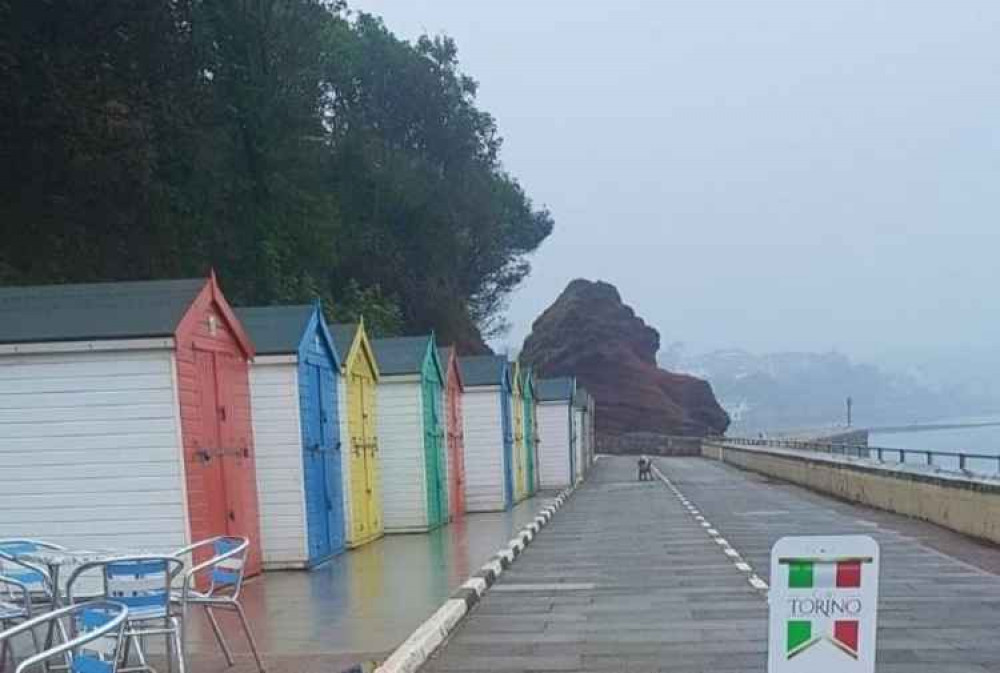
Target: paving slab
(645, 587)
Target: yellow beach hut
(359, 377)
(520, 451)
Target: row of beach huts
(147, 415)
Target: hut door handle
(232, 515)
(203, 455)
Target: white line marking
(755, 581)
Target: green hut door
(437, 499)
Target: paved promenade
(625, 579)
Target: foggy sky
(763, 174)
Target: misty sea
(982, 440)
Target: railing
(946, 460)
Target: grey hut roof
(401, 355)
(550, 390)
(343, 337)
(482, 370)
(276, 330)
(83, 312)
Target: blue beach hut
(293, 385)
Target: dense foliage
(298, 149)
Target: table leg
(57, 603)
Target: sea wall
(962, 504)
(649, 443)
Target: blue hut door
(508, 446)
(324, 509)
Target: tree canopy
(299, 149)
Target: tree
(297, 151)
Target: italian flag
(813, 575)
(843, 633)
(803, 634)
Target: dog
(645, 469)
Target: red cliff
(591, 334)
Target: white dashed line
(755, 581)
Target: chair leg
(168, 649)
(141, 653)
(5, 650)
(126, 651)
(218, 636)
(250, 638)
(178, 647)
(35, 641)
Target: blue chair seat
(142, 613)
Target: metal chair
(143, 584)
(223, 575)
(35, 578)
(96, 641)
(15, 607)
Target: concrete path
(354, 610)
(625, 579)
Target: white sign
(823, 602)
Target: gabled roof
(549, 390)
(528, 379)
(445, 354)
(276, 330)
(92, 311)
(483, 370)
(402, 355)
(345, 337)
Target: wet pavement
(359, 606)
(624, 579)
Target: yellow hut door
(360, 516)
(374, 504)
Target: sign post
(823, 604)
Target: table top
(74, 557)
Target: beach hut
(590, 448)
(489, 434)
(557, 433)
(454, 391)
(293, 386)
(530, 430)
(411, 423)
(359, 451)
(517, 409)
(583, 428)
(125, 416)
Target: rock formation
(589, 333)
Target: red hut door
(213, 509)
(225, 456)
(456, 448)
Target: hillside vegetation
(297, 148)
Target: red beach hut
(142, 398)
(454, 390)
